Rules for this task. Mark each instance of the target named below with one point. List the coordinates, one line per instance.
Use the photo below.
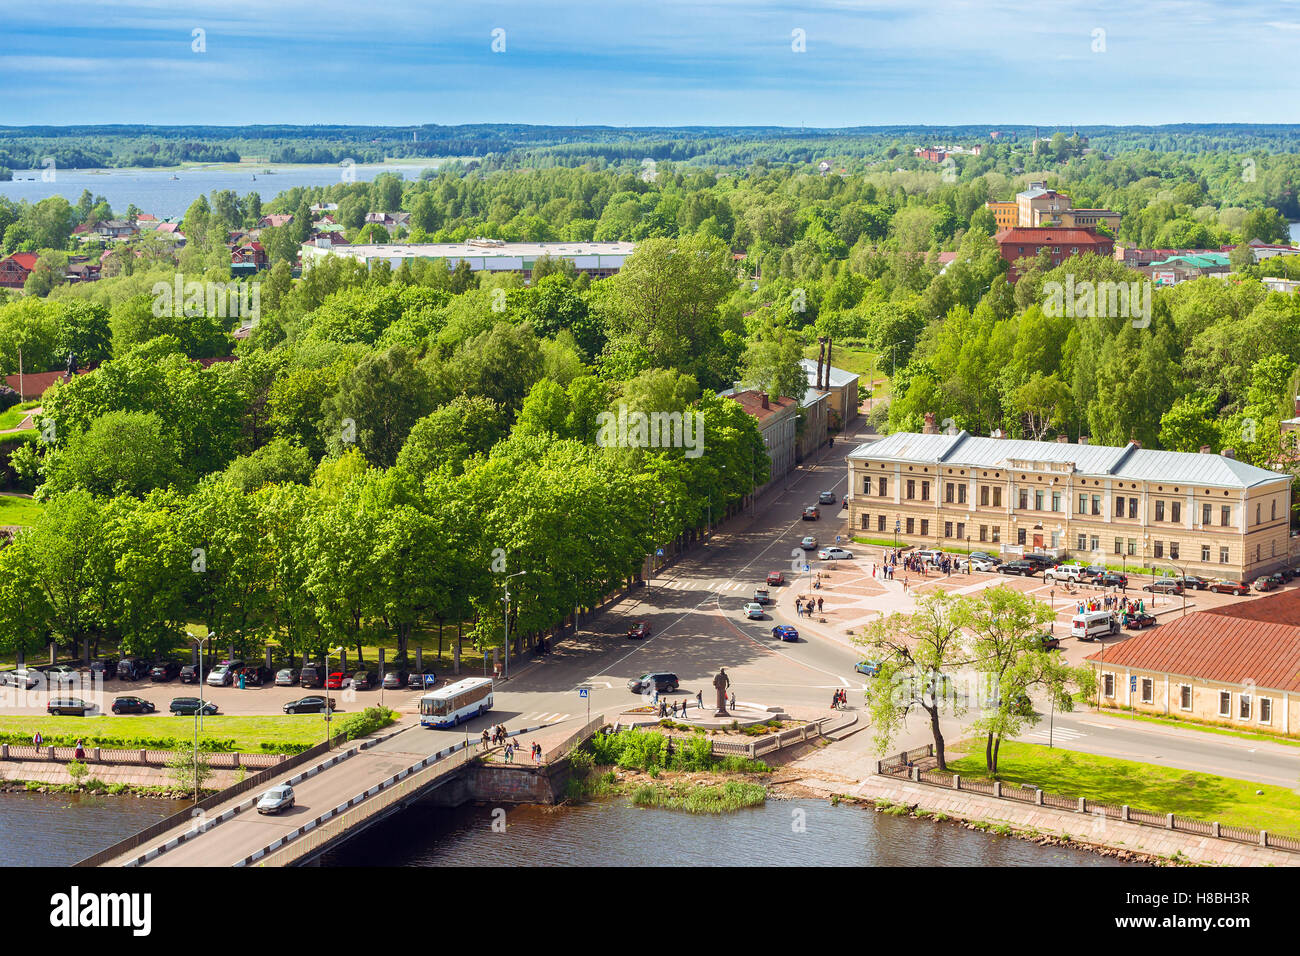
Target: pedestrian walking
(733, 700)
(483, 741)
(38, 739)
(699, 699)
(537, 755)
(510, 753)
(80, 752)
(819, 605)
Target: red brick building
(1020, 243)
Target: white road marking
(1061, 733)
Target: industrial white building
(597, 259)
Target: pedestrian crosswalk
(1059, 733)
(544, 717)
(717, 587)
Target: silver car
(276, 799)
(809, 543)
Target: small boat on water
(175, 179)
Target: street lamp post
(198, 714)
(329, 711)
(506, 673)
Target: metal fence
(898, 766)
(141, 758)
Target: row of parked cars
(225, 673)
(180, 706)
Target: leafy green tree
(121, 453)
(277, 461)
(377, 404)
(452, 434)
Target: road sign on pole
(582, 692)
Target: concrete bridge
(340, 793)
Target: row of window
(1248, 707)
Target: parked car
(638, 630)
(1093, 572)
(1139, 620)
(313, 675)
(1091, 625)
(132, 668)
(20, 677)
(312, 704)
(754, 611)
(417, 681)
(775, 578)
(785, 632)
(256, 675)
(132, 705)
(194, 673)
(811, 513)
(1164, 586)
(223, 675)
(1113, 579)
(337, 680)
(286, 677)
(973, 563)
(834, 554)
(396, 679)
(762, 596)
(809, 543)
(1193, 581)
(61, 674)
(189, 706)
(1224, 586)
(930, 555)
(663, 682)
(1073, 573)
(1050, 642)
(1019, 567)
(985, 556)
(826, 498)
(164, 671)
(1286, 574)
(105, 668)
(276, 799)
(1265, 582)
(363, 680)
(68, 707)
(869, 668)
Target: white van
(1093, 624)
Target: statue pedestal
(721, 713)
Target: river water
(154, 191)
(801, 832)
(58, 829)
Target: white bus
(462, 700)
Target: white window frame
(1108, 685)
(1225, 703)
(1265, 703)
(1146, 690)
(1185, 690)
(1246, 704)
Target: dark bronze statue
(720, 684)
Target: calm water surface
(614, 833)
(58, 829)
(154, 191)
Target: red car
(335, 681)
(1229, 587)
(1139, 620)
(639, 629)
(774, 578)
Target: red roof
(751, 400)
(1045, 236)
(1254, 642)
(25, 259)
(146, 217)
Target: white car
(276, 799)
(1074, 573)
(754, 611)
(930, 555)
(834, 554)
(977, 564)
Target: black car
(663, 682)
(1193, 581)
(1113, 579)
(255, 675)
(132, 668)
(418, 681)
(105, 668)
(363, 680)
(312, 704)
(68, 707)
(193, 674)
(132, 705)
(1028, 569)
(1050, 642)
(313, 675)
(826, 498)
(189, 706)
(396, 679)
(1040, 561)
(287, 677)
(164, 671)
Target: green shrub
(366, 722)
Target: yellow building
(1180, 512)
(1234, 666)
(1007, 214)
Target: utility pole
(506, 672)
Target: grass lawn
(1200, 796)
(21, 511)
(249, 733)
(13, 417)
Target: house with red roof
(1022, 242)
(1237, 665)
(778, 421)
(15, 269)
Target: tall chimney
(766, 403)
(829, 345)
(1229, 453)
(930, 427)
(1084, 439)
(1205, 449)
(1062, 439)
(821, 358)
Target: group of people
(1111, 602)
(804, 606)
(677, 708)
(78, 750)
(839, 700)
(497, 735)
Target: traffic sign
(582, 692)
(659, 552)
(1132, 684)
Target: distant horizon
(826, 64)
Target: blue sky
(711, 62)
